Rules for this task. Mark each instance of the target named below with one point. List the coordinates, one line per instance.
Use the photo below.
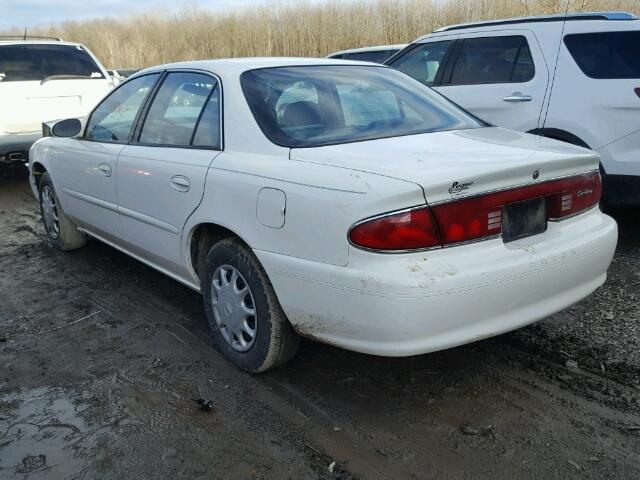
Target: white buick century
(341, 201)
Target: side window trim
(448, 64)
(135, 120)
(135, 139)
(144, 111)
(202, 110)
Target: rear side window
(176, 109)
(607, 54)
(46, 62)
(424, 61)
(376, 56)
(112, 120)
(492, 60)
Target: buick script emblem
(458, 187)
(586, 191)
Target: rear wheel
(243, 312)
(61, 232)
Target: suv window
(176, 108)
(112, 120)
(503, 59)
(25, 62)
(424, 61)
(606, 54)
(376, 56)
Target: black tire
(67, 236)
(275, 341)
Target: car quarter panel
(596, 118)
(322, 203)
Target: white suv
(43, 79)
(572, 77)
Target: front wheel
(243, 312)
(61, 231)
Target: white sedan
(341, 201)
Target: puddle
(41, 434)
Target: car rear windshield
(310, 106)
(19, 63)
(606, 55)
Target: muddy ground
(100, 358)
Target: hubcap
(50, 212)
(233, 308)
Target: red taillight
(481, 216)
(473, 218)
(408, 230)
(576, 194)
(470, 219)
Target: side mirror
(67, 128)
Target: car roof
(375, 48)
(252, 63)
(39, 42)
(607, 16)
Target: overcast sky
(29, 13)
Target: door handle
(517, 97)
(104, 169)
(180, 183)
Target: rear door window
(424, 61)
(46, 62)
(176, 109)
(502, 59)
(606, 55)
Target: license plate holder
(524, 219)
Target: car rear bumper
(399, 305)
(18, 143)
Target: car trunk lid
(455, 164)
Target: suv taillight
(472, 218)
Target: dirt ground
(100, 358)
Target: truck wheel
(243, 312)
(61, 231)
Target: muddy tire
(243, 312)
(60, 230)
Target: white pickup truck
(43, 79)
